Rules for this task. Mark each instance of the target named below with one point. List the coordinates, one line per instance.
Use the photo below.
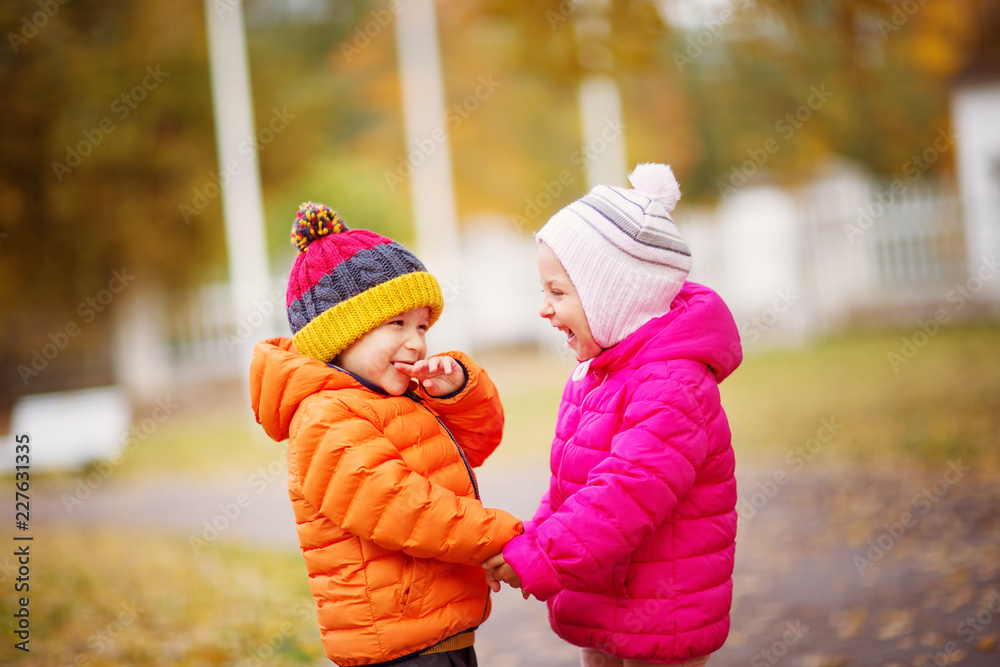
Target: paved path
(811, 589)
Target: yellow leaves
(128, 599)
(825, 661)
(894, 623)
(941, 32)
(960, 598)
(847, 624)
(932, 639)
(857, 533)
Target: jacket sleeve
(473, 414)
(543, 512)
(652, 463)
(357, 478)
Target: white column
(601, 121)
(428, 152)
(242, 203)
(975, 109)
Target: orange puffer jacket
(385, 501)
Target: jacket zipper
(562, 454)
(475, 487)
(413, 397)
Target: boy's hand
(498, 570)
(439, 376)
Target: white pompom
(657, 181)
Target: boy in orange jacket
(382, 443)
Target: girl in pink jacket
(632, 546)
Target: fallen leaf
(960, 599)
(932, 639)
(895, 623)
(816, 660)
(847, 624)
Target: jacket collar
(360, 380)
(698, 326)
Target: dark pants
(464, 657)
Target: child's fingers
(443, 364)
(493, 562)
(417, 370)
(492, 583)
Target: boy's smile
(398, 339)
(561, 305)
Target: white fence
(792, 265)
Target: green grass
(110, 598)
(942, 403)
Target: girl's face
(399, 338)
(561, 305)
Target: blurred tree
(892, 60)
(800, 80)
(813, 79)
(107, 130)
(520, 152)
(336, 71)
(109, 160)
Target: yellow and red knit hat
(345, 282)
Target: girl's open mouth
(570, 336)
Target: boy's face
(561, 305)
(400, 338)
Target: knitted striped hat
(345, 282)
(622, 251)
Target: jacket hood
(281, 378)
(698, 326)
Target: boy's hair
(346, 282)
(621, 249)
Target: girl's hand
(439, 376)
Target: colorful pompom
(314, 221)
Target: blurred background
(840, 169)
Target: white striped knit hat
(622, 251)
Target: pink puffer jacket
(632, 546)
